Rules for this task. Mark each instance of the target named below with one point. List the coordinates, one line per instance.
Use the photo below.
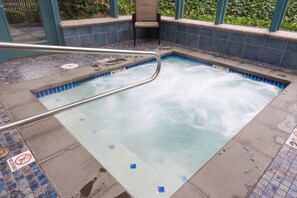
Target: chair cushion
(146, 24)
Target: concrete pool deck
(255, 163)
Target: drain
(69, 66)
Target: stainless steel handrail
(46, 48)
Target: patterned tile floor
(26, 182)
(279, 180)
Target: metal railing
(45, 48)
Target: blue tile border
(72, 85)
(260, 79)
(67, 86)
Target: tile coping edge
(281, 34)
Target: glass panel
(201, 10)
(290, 18)
(250, 12)
(70, 9)
(166, 7)
(126, 7)
(24, 20)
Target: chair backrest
(146, 10)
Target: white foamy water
(169, 128)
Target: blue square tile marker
(161, 189)
(133, 166)
(111, 146)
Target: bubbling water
(180, 120)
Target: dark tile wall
(103, 34)
(97, 35)
(273, 51)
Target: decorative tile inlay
(279, 180)
(161, 189)
(28, 181)
(133, 166)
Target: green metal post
(278, 15)
(221, 11)
(113, 8)
(5, 33)
(179, 9)
(57, 21)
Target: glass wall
(255, 13)
(201, 9)
(74, 9)
(166, 7)
(24, 20)
(290, 19)
(126, 7)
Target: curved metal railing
(45, 48)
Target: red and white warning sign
(20, 160)
(292, 140)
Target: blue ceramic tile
(181, 38)
(161, 189)
(221, 34)
(193, 30)
(131, 34)
(111, 37)
(184, 178)
(72, 41)
(142, 33)
(170, 26)
(133, 166)
(170, 36)
(192, 40)
(86, 41)
(85, 30)
(289, 60)
(98, 29)
(292, 47)
(34, 186)
(43, 182)
(99, 39)
(219, 46)
(12, 187)
(123, 26)
(182, 28)
(111, 27)
(205, 43)
(252, 52)
(123, 35)
(40, 177)
(277, 44)
(256, 40)
(272, 56)
(163, 34)
(236, 37)
(234, 48)
(152, 33)
(206, 32)
(70, 32)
